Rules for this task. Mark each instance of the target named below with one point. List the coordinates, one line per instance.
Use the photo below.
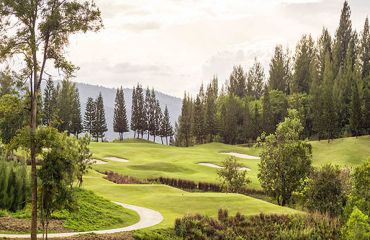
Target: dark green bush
(14, 186)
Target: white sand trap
(217, 166)
(98, 162)
(239, 155)
(116, 159)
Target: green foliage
(84, 159)
(255, 80)
(279, 71)
(232, 177)
(360, 194)
(357, 227)
(11, 117)
(325, 191)
(285, 160)
(90, 116)
(14, 185)
(237, 82)
(184, 134)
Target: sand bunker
(98, 162)
(116, 159)
(217, 166)
(239, 155)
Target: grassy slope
(92, 213)
(154, 160)
(173, 203)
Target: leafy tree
(279, 71)
(365, 51)
(285, 160)
(76, 121)
(255, 80)
(303, 104)
(149, 115)
(233, 178)
(84, 160)
(120, 123)
(357, 227)
(65, 105)
(237, 82)
(99, 125)
(11, 117)
(139, 111)
(256, 129)
(326, 191)
(90, 116)
(360, 194)
(152, 113)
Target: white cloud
(174, 45)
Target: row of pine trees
(61, 108)
(326, 80)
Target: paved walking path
(239, 155)
(148, 218)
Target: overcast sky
(175, 45)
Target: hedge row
(310, 226)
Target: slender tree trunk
(154, 138)
(134, 134)
(148, 136)
(162, 140)
(166, 140)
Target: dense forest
(326, 80)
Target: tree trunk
(166, 140)
(154, 138)
(162, 140)
(148, 136)
(33, 159)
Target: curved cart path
(148, 218)
(239, 155)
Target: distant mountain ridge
(109, 95)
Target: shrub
(14, 186)
(357, 226)
(312, 226)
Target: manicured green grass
(173, 203)
(148, 160)
(349, 152)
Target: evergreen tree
(166, 128)
(76, 121)
(256, 122)
(329, 117)
(355, 110)
(120, 123)
(316, 92)
(267, 118)
(134, 113)
(151, 111)
(184, 136)
(211, 109)
(148, 116)
(365, 52)
(255, 80)
(237, 82)
(158, 118)
(279, 71)
(65, 100)
(324, 47)
(198, 121)
(140, 111)
(50, 103)
(304, 55)
(342, 38)
(99, 125)
(90, 116)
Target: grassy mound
(92, 213)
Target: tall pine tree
(237, 82)
(76, 121)
(255, 80)
(279, 71)
(90, 116)
(49, 104)
(99, 125)
(120, 124)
